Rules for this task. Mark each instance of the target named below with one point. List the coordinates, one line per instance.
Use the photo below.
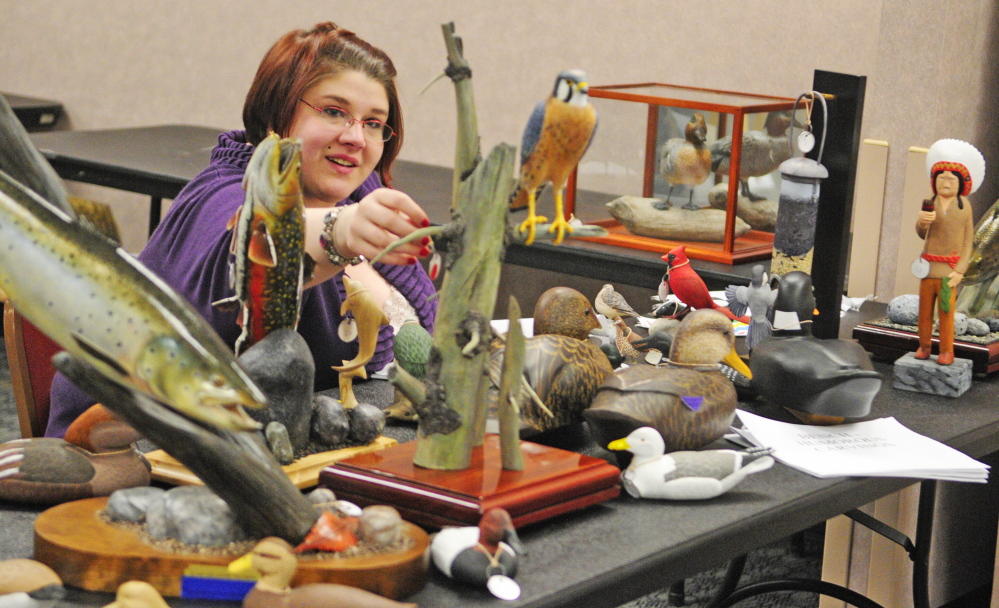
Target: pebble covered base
(926, 376)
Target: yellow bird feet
(530, 224)
(561, 226)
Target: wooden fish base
(86, 552)
(553, 482)
(304, 472)
(891, 343)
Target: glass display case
(674, 165)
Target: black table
(622, 549)
(34, 113)
(159, 160)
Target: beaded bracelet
(326, 241)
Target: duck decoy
(683, 475)
(660, 336)
(28, 583)
(137, 594)
(564, 311)
(685, 160)
(275, 561)
(688, 286)
(45, 470)
(833, 379)
(762, 151)
(687, 399)
(562, 372)
(486, 555)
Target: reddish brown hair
(301, 58)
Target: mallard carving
(687, 398)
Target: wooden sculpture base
(553, 482)
(891, 343)
(304, 472)
(86, 552)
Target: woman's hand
(381, 218)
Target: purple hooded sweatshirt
(190, 250)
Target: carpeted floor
(798, 557)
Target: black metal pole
(832, 224)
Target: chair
(29, 353)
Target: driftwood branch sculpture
(235, 465)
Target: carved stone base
(927, 376)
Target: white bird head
(644, 443)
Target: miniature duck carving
(137, 594)
(26, 582)
(44, 470)
(762, 151)
(683, 475)
(472, 555)
(687, 399)
(275, 560)
(685, 160)
(564, 311)
(563, 373)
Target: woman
(337, 94)
(945, 224)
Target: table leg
(155, 207)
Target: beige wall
(124, 63)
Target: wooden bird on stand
(690, 288)
(762, 151)
(555, 139)
(685, 160)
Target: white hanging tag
(347, 330)
(503, 587)
(806, 141)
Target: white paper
(501, 326)
(878, 448)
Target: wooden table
(622, 549)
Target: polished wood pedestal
(553, 482)
(890, 344)
(86, 552)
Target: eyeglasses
(373, 129)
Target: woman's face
(336, 159)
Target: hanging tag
(435, 266)
(503, 587)
(920, 268)
(786, 319)
(347, 330)
(653, 357)
(806, 141)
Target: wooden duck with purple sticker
(687, 398)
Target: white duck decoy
(683, 475)
(485, 555)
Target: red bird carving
(688, 287)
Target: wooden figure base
(553, 482)
(304, 472)
(86, 552)
(927, 376)
(891, 343)
(752, 246)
